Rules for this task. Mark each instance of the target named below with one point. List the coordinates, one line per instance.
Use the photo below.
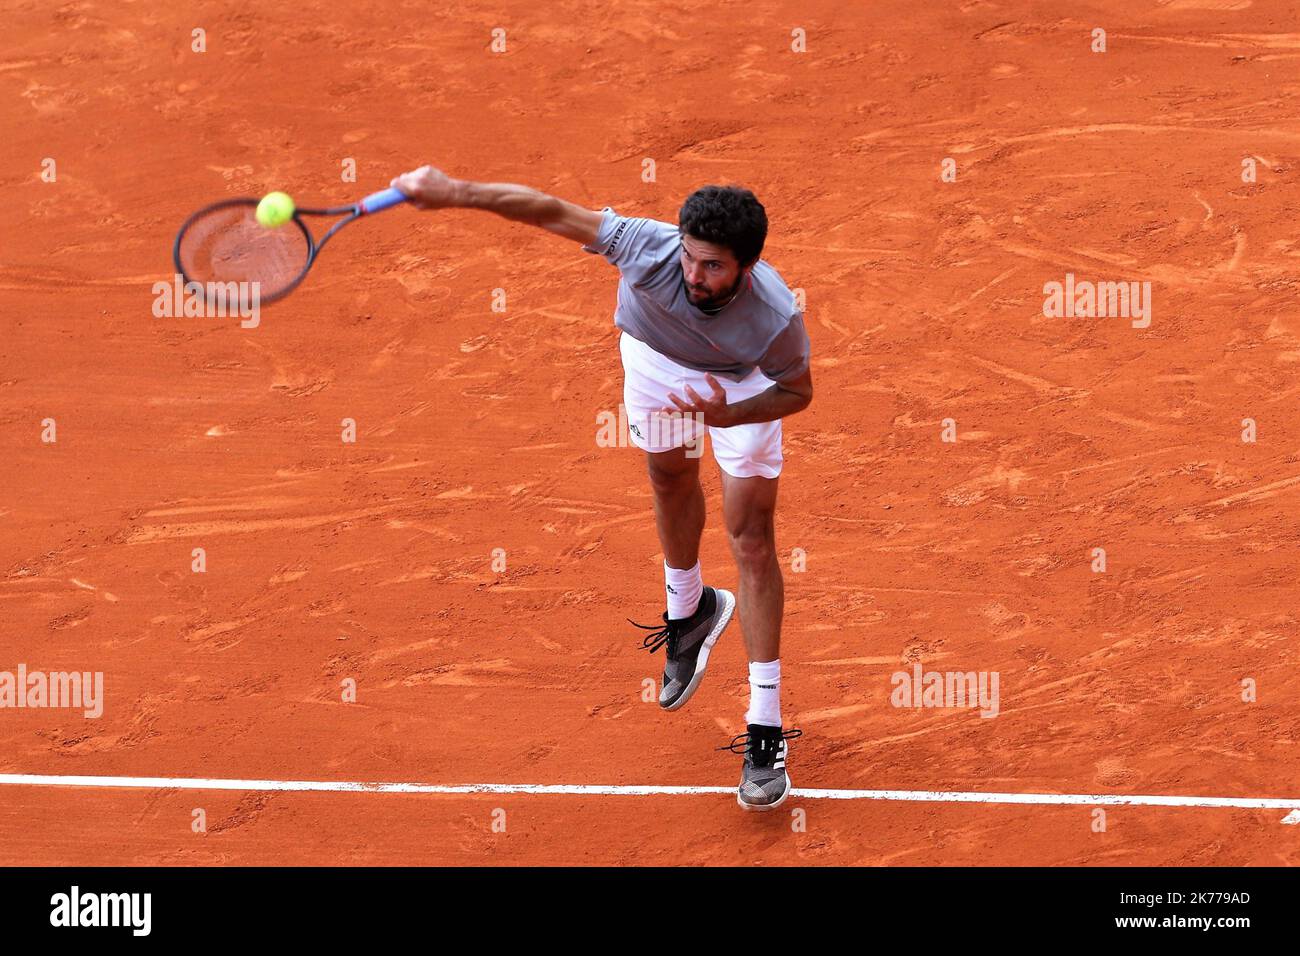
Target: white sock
(684, 590)
(764, 693)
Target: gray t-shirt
(760, 328)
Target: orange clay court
(476, 430)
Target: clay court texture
(1169, 673)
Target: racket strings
(227, 244)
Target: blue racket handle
(384, 199)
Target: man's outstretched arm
(430, 188)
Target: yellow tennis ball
(274, 210)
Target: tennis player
(711, 341)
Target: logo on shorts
(657, 429)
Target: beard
(712, 301)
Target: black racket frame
(349, 212)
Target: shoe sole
(727, 603)
(762, 807)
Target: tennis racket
(224, 243)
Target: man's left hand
(714, 408)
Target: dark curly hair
(728, 216)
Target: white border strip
(923, 796)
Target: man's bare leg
(749, 506)
(679, 505)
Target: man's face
(710, 273)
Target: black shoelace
(666, 633)
(763, 748)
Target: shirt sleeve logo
(613, 243)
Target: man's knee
(673, 474)
(753, 543)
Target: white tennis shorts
(743, 451)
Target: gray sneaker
(689, 641)
(764, 783)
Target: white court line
(923, 796)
